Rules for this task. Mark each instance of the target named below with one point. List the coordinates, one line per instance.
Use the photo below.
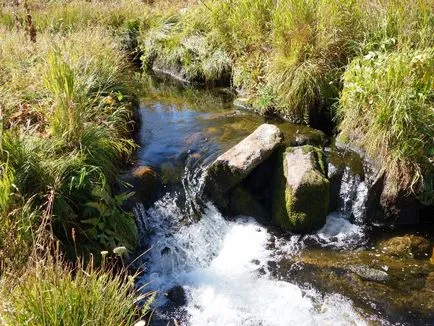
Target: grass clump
(66, 112)
(387, 107)
(53, 292)
(180, 43)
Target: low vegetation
(54, 293)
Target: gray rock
(301, 190)
(229, 169)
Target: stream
(208, 270)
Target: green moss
(310, 203)
(303, 209)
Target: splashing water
(222, 266)
(345, 228)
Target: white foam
(217, 262)
(340, 233)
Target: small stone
(369, 274)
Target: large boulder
(301, 190)
(232, 167)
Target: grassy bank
(66, 121)
(302, 60)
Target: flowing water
(235, 272)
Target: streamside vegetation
(365, 67)
(66, 108)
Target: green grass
(66, 111)
(386, 106)
(52, 292)
(66, 107)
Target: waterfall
(345, 228)
(226, 267)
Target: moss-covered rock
(242, 202)
(300, 190)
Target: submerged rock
(301, 190)
(369, 274)
(177, 296)
(229, 169)
(299, 135)
(408, 245)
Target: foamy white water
(223, 268)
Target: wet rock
(369, 274)
(242, 103)
(398, 206)
(144, 182)
(408, 245)
(243, 203)
(229, 169)
(340, 160)
(177, 296)
(429, 282)
(358, 276)
(432, 256)
(301, 190)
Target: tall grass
(387, 107)
(52, 292)
(66, 110)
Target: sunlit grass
(387, 107)
(52, 292)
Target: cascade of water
(223, 267)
